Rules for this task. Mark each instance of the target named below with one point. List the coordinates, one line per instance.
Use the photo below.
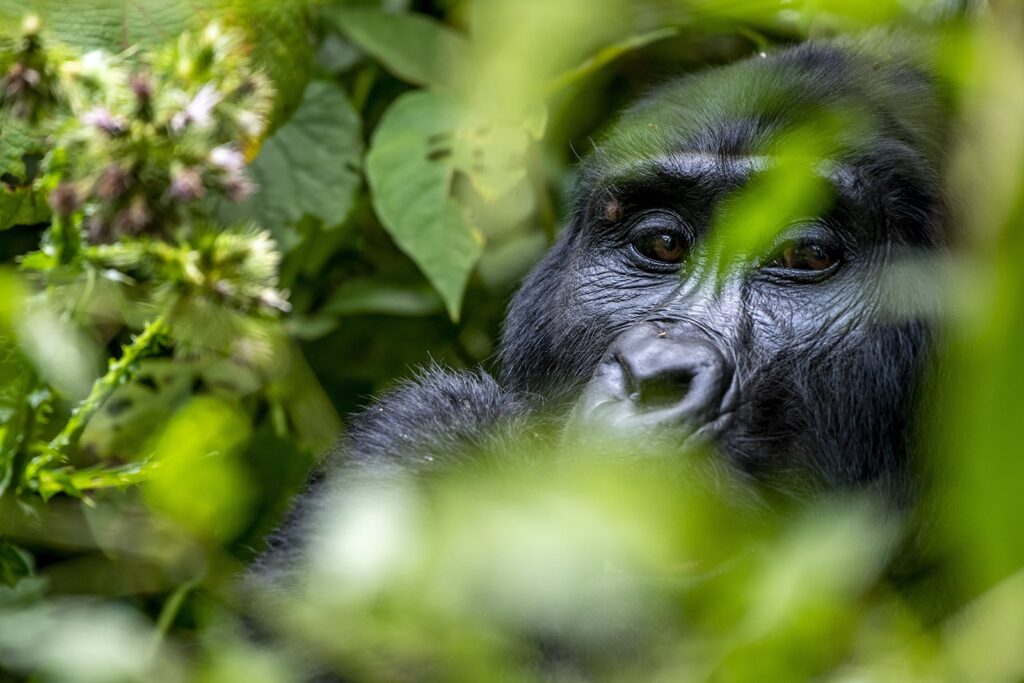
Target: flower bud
(112, 183)
(64, 200)
(186, 186)
(101, 119)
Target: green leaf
(309, 166)
(201, 482)
(410, 167)
(109, 24)
(15, 564)
(606, 55)
(413, 47)
(22, 206)
(381, 296)
(20, 203)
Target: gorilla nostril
(663, 389)
(686, 377)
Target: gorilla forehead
(736, 110)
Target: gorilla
(728, 276)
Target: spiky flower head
(150, 136)
(28, 81)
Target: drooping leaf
(413, 47)
(410, 167)
(310, 166)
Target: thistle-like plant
(137, 146)
(151, 137)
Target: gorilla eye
(664, 248)
(805, 255)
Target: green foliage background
(161, 400)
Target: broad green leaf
(109, 24)
(309, 166)
(16, 140)
(132, 417)
(492, 156)
(410, 167)
(413, 47)
(22, 206)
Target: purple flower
(142, 88)
(186, 186)
(199, 111)
(231, 162)
(134, 218)
(112, 183)
(238, 187)
(101, 119)
(64, 199)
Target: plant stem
(168, 613)
(119, 372)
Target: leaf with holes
(413, 47)
(410, 166)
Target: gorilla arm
(435, 421)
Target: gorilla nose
(688, 377)
(651, 377)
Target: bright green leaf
(410, 167)
(109, 24)
(199, 480)
(413, 47)
(22, 207)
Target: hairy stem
(118, 373)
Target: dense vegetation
(224, 223)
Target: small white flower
(198, 111)
(228, 158)
(250, 123)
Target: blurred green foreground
(211, 249)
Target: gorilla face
(782, 347)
